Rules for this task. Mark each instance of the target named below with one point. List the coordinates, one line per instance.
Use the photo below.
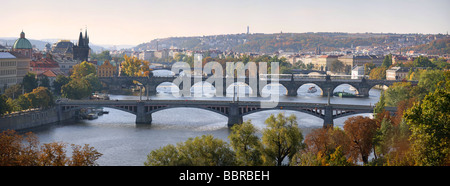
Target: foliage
(398, 92)
(246, 144)
(76, 89)
(19, 150)
(135, 67)
(29, 82)
(204, 151)
(4, 106)
(387, 62)
(14, 91)
(378, 73)
(422, 61)
(361, 131)
(83, 69)
(281, 138)
(429, 122)
(60, 81)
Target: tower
(248, 30)
(81, 50)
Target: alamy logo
(235, 72)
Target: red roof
(44, 63)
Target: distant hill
(436, 47)
(40, 44)
(288, 42)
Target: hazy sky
(138, 21)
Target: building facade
(106, 70)
(13, 67)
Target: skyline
(138, 21)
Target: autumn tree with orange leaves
(361, 131)
(19, 150)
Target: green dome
(22, 42)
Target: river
(122, 143)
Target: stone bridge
(233, 110)
(291, 82)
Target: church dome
(22, 42)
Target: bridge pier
(234, 117)
(328, 118)
(141, 116)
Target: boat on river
(344, 94)
(312, 89)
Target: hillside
(436, 47)
(288, 42)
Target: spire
(22, 34)
(80, 40)
(86, 38)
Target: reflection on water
(121, 142)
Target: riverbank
(35, 118)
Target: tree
(387, 62)
(20, 150)
(361, 131)
(246, 144)
(44, 82)
(378, 73)
(281, 138)
(379, 106)
(14, 91)
(83, 69)
(29, 82)
(429, 122)
(337, 66)
(41, 97)
(76, 89)
(204, 151)
(368, 67)
(134, 67)
(423, 61)
(429, 79)
(398, 92)
(4, 106)
(60, 81)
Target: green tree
(29, 82)
(397, 92)
(44, 82)
(379, 106)
(14, 91)
(378, 73)
(429, 79)
(246, 144)
(281, 138)
(429, 122)
(387, 62)
(423, 61)
(83, 69)
(76, 89)
(60, 81)
(4, 106)
(204, 151)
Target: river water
(122, 143)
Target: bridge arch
(303, 89)
(222, 111)
(167, 87)
(268, 89)
(346, 87)
(132, 109)
(241, 87)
